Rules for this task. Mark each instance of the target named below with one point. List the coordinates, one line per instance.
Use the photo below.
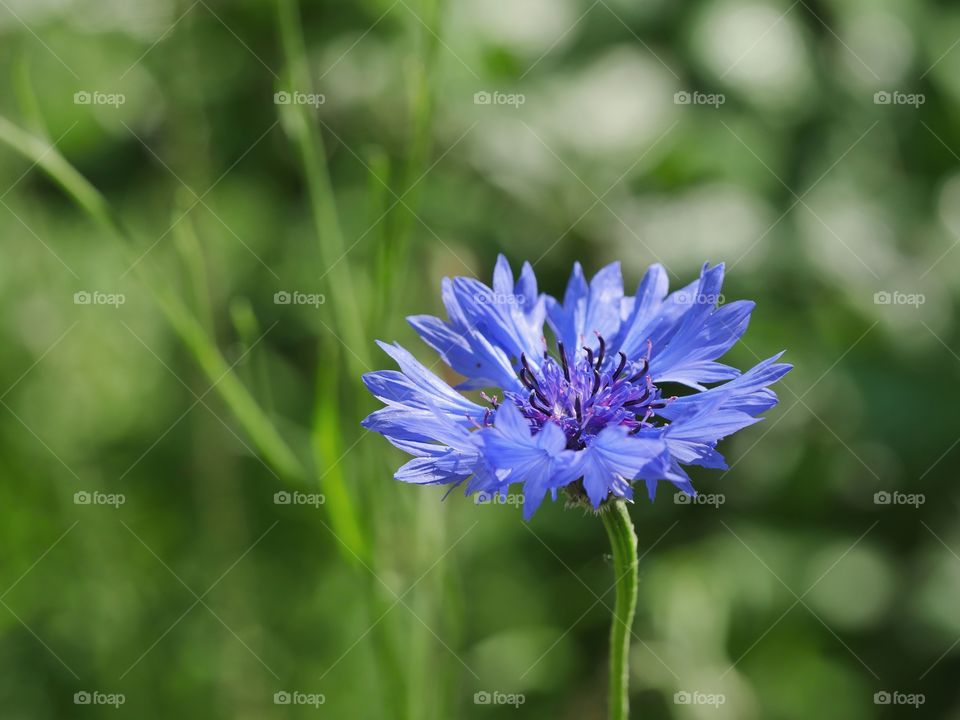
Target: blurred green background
(150, 366)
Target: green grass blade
(309, 142)
(254, 421)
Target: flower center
(586, 392)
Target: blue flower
(589, 416)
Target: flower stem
(623, 542)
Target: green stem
(623, 542)
(302, 127)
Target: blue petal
(417, 387)
(521, 307)
(442, 465)
(614, 459)
(747, 393)
(526, 288)
(692, 440)
(587, 310)
(455, 349)
(465, 347)
(540, 462)
(650, 293)
(704, 337)
(488, 328)
(656, 322)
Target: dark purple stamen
(563, 361)
(577, 395)
(533, 403)
(640, 373)
(526, 366)
(530, 380)
(603, 349)
(620, 367)
(525, 380)
(531, 384)
(638, 401)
